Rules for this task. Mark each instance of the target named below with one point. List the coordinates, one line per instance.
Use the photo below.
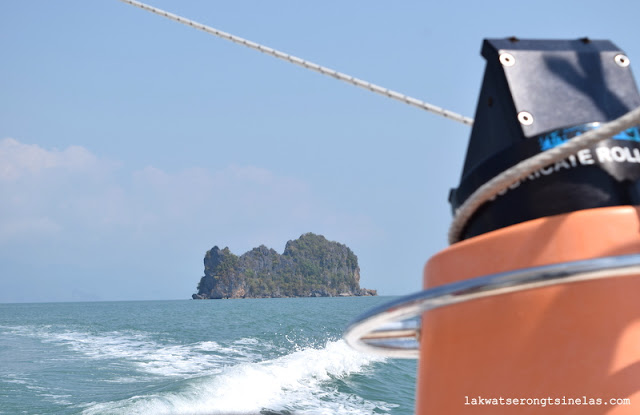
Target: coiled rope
(530, 165)
(309, 65)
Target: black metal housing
(537, 94)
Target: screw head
(621, 60)
(507, 59)
(525, 118)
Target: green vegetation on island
(311, 266)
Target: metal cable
(530, 165)
(309, 65)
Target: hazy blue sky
(130, 144)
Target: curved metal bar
(389, 331)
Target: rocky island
(311, 266)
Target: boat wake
(307, 381)
(146, 375)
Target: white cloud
(18, 160)
(53, 192)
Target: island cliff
(311, 266)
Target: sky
(131, 144)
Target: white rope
(309, 65)
(530, 165)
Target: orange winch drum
(566, 341)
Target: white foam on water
(60, 399)
(299, 382)
(208, 346)
(11, 379)
(247, 340)
(144, 354)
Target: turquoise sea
(251, 356)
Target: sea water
(250, 356)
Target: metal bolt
(621, 60)
(507, 59)
(525, 118)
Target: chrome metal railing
(394, 329)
